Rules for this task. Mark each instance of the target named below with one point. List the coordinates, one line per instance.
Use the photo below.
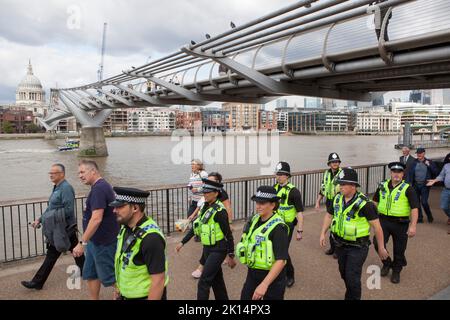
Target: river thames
(150, 161)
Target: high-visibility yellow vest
(330, 187)
(255, 248)
(206, 228)
(347, 224)
(134, 281)
(394, 203)
(285, 210)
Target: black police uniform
(352, 255)
(280, 242)
(329, 202)
(152, 252)
(295, 199)
(397, 227)
(213, 256)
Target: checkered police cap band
(210, 187)
(397, 167)
(265, 195)
(131, 199)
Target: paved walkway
(317, 277)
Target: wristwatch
(84, 244)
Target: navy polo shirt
(101, 195)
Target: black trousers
(254, 278)
(329, 206)
(192, 207)
(398, 231)
(351, 260)
(212, 276)
(289, 266)
(51, 258)
(423, 192)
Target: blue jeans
(445, 201)
(423, 192)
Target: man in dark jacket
(63, 196)
(421, 171)
(407, 159)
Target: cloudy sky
(63, 37)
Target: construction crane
(100, 70)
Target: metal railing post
(246, 200)
(367, 180)
(168, 211)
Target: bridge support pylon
(92, 142)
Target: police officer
(140, 260)
(353, 215)
(213, 228)
(264, 249)
(329, 189)
(398, 208)
(290, 210)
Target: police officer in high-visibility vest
(264, 249)
(140, 261)
(350, 222)
(213, 228)
(290, 209)
(329, 189)
(398, 207)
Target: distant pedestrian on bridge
(62, 197)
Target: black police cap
(396, 166)
(129, 195)
(211, 186)
(265, 194)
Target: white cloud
(137, 29)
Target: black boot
(387, 264)
(329, 252)
(385, 270)
(290, 282)
(430, 219)
(395, 277)
(31, 285)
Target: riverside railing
(166, 204)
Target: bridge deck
(317, 275)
